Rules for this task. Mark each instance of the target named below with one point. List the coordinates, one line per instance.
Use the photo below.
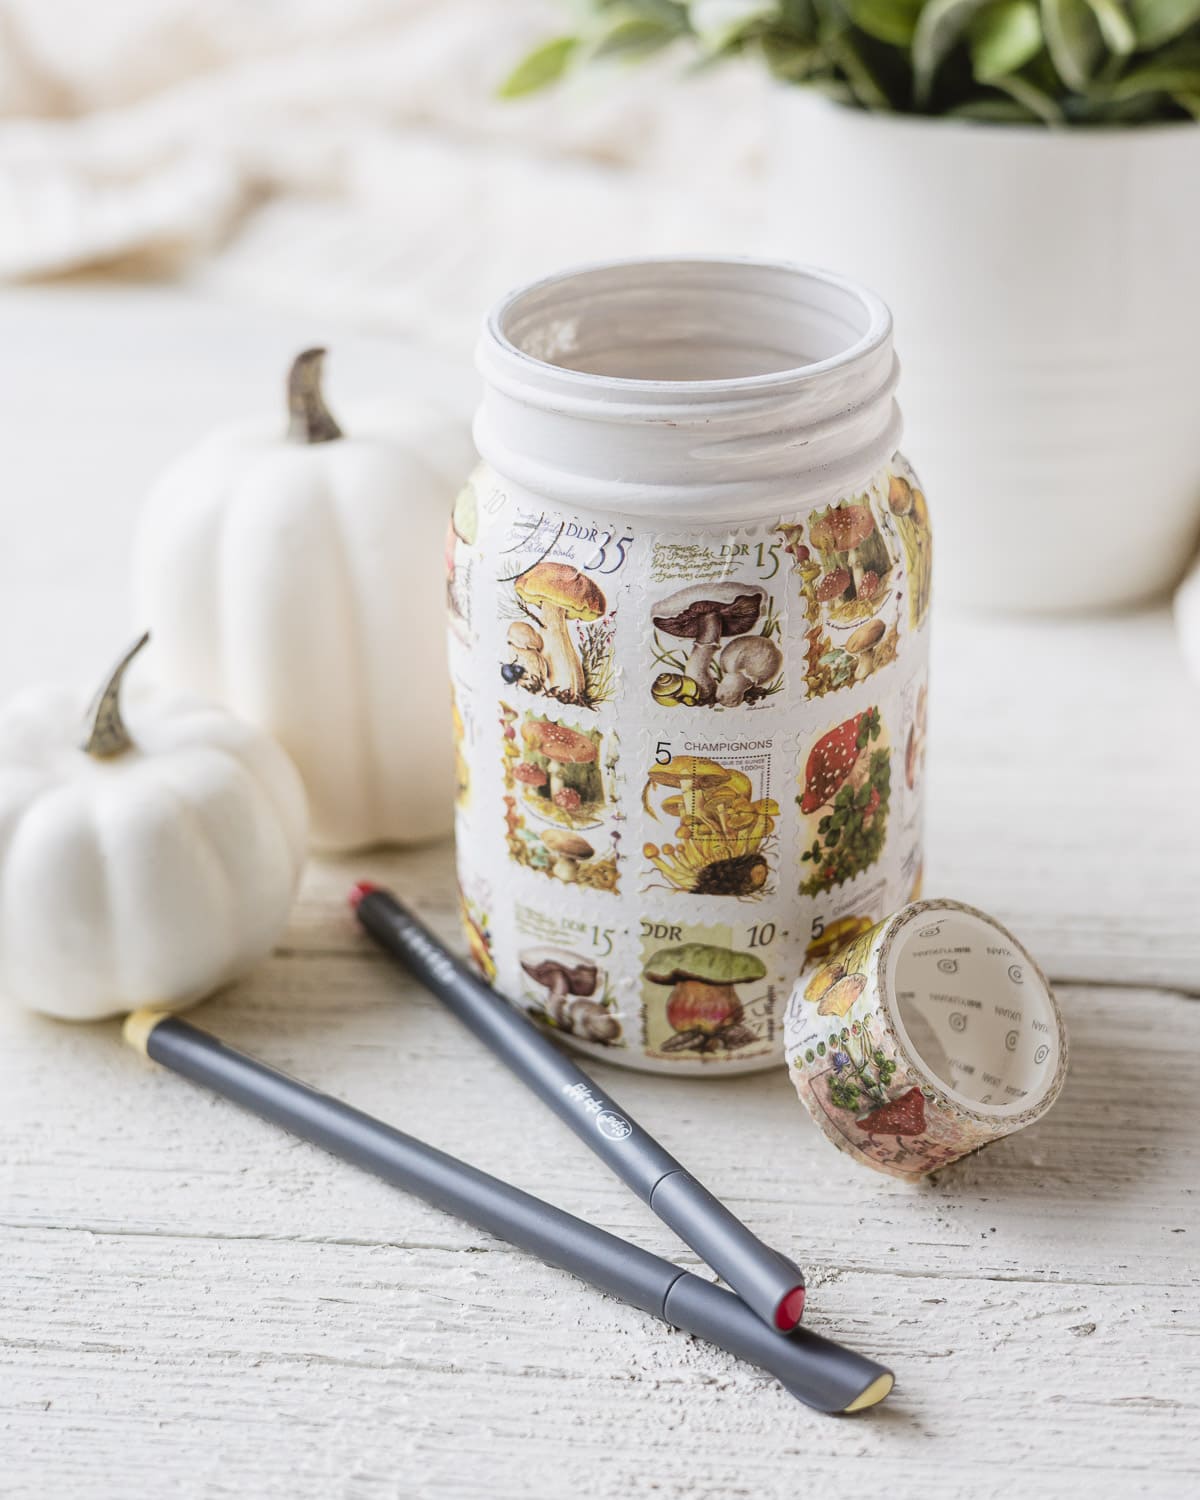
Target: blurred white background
(350, 156)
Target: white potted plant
(1021, 180)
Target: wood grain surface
(192, 1304)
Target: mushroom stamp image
(845, 798)
(909, 514)
(559, 635)
(568, 992)
(722, 825)
(704, 1000)
(557, 774)
(829, 938)
(855, 564)
(834, 662)
(716, 643)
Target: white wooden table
(192, 1304)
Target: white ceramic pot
(688, 646)
(1044, 286)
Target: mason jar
(688, 588)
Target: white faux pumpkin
(147, 860)
(298, 579)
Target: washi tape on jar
(924, 1038)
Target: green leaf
(867, 85)
(993, 112)
(892, 21)
(672, 14)
(540, 68)
(942, 25)
(1117, 29)
(1035, 99)
(1004, 37)
(721, 23)
(1189, 102)
(633, 38)
(1159, 21)
(1073, 39)
(791, 60)
(1174, 71)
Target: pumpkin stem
(104, 728)
(309, 418)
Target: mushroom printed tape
(684, 757)
(924, 1037)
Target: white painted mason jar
(689, 598)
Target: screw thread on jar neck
(704, 390)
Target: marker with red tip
(817, 1371)
(765, 1280)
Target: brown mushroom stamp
(709, 819)
(559, 581)
(565, 982)
(716, 644)
(561, 800)
(707, 992)
(714, 621)
(844, 565)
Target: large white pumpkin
(148, 854)
(298, 579)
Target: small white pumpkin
(297, 579)
(148, 861)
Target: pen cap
(924, 1037)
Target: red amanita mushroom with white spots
(904, 1115)
(834, 584)
(561, 747)
(830, 762)
(528, 774)
(844, 528)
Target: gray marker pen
(814, 1369)
(767, 1282)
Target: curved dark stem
(105, 734)
(309, 419)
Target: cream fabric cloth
(349, 155)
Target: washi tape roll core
(925, 1038)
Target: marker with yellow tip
(815, 1370)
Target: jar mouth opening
(693, 325)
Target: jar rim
(874, 333)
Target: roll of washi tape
(925, 1038)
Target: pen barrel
(557, 1237)
(578, 1100)
(762, 1277)
(814, 1369)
